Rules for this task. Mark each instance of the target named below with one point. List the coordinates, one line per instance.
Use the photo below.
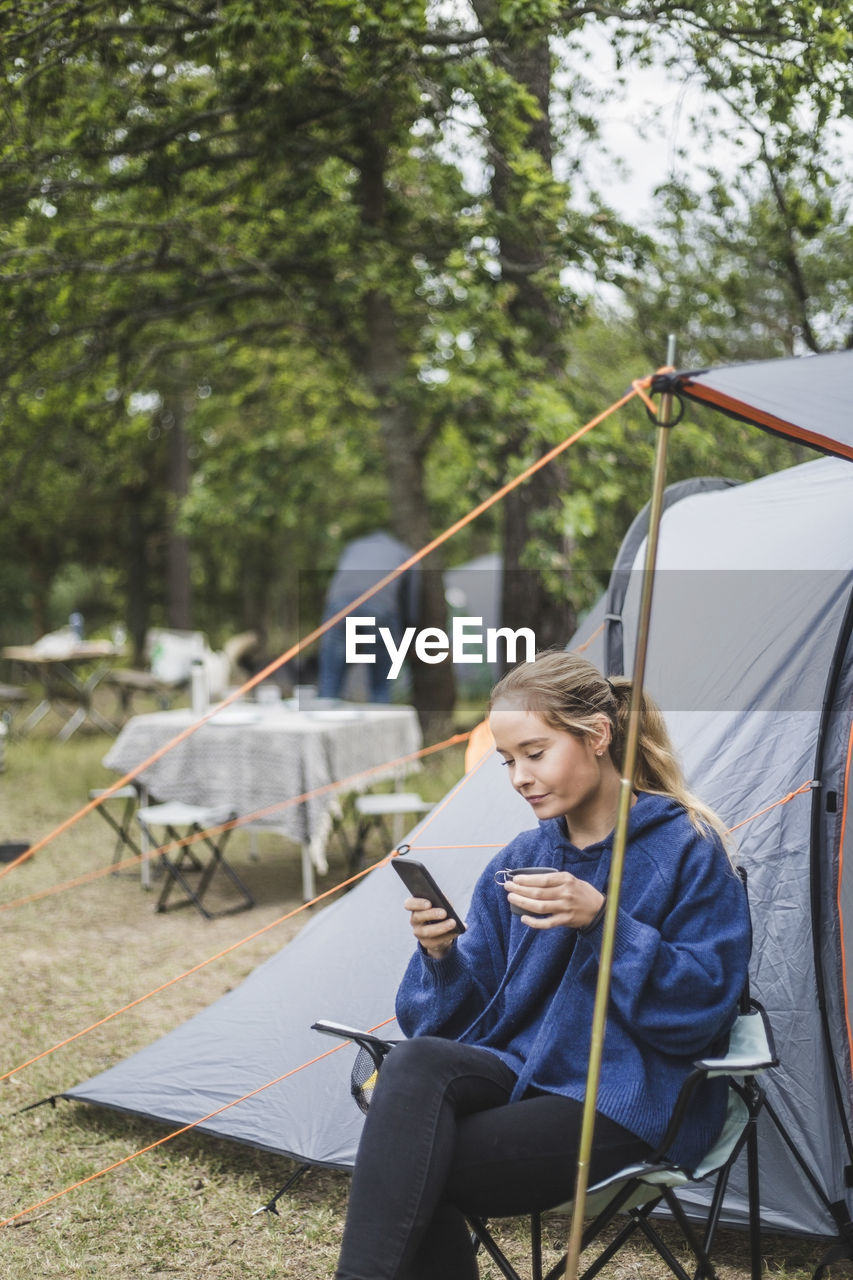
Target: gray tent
(751, 656)
(473, 590)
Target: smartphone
(420, 884)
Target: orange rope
(792, 795)
(196, 967)
(641, 386)
(586, 643)
(152, 1146)
(807, 786)
(297, 648)
(242, 820)
(500, 845)
(459, 737)
(452, 793)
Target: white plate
(232, 717)
(331, 714)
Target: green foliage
(278, 218)
(759, 267)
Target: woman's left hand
(557, 898)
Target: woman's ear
(601, 736)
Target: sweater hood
(650, 811)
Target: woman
(480, 1110)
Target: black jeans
(439, 1141)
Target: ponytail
(658, 769)
(568, 692)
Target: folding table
(66, 690)
(277, 765)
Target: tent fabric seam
(841, 839)
(816, 846)
(760, 418)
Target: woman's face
(558, 773)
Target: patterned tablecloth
(256, 756)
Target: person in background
(362, 564)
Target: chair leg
(271, 1204)
(342, 821)
(712, 1221)
(609, 1251)
(754, 1200)
(174, 869)
(121, 827)
(536, 1245)
(700, 1248)
(493, 1249)
(662, 1248)
(592, 1232)
(124, 836)
(188, 860)
(358, 852)
(217, 861)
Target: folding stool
(123, 825)
(375, 808)
(178, 864)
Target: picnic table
(69, 675)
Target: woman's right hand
(431, 926)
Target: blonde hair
(568, 692)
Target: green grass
(186, 1208)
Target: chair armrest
(751, 1048)
(343, 1032)
(735, 1065)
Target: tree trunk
(525, 601)
(138, 602)
(178, 588)
(529, 265)
(41, 572)
(433, 685)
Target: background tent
(473, 590)
(752, 659)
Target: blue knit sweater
(680, 960)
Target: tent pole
(620, 835)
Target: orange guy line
(152, 1146)
(242, 820)
(297, 648)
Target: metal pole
(620, 835)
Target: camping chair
(237, 651)
(173, 814)
(168, 655)
(640, 1188)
